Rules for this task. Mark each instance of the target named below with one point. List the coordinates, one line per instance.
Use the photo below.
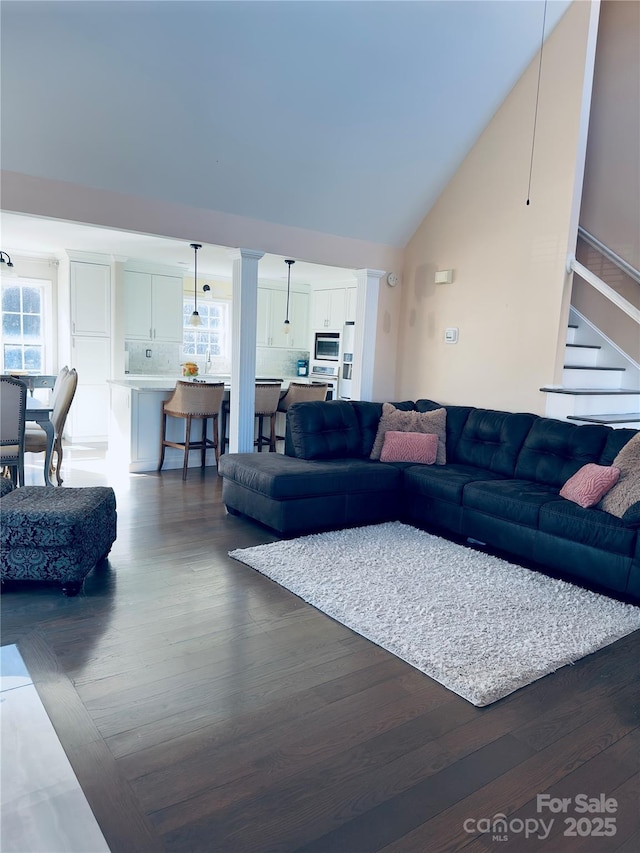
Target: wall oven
(325, 372)
(326, 346)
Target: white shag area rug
(480, 626)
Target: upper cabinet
(272, 311)
(351, 295)
(328, 309)
(153, 307)
(90, 299)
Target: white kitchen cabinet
(272, 311)
(351, 295)
(90, 299)
(153, 307)
(88, 418)
(328, 309)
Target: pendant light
(287, 325)
(10, 269)
(195, 317)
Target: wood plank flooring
(204, 708)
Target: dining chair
(35, 438)
(13, 403)
(193, 401)
(60, 379)
(267, 396)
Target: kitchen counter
(135, 425)
(168, 383)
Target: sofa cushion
(456, 419)
(626, 492)
(514, 500)
(402, 421)
(590, 527)
(287, 477)
(444, 483)
(492, 440)
(616, 440)
(368, 415)
(554, 450)
(589, 484)
(324, 430)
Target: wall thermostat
(451, 336)
(392, 279)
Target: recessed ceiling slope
(341, 117)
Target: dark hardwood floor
(204, 708)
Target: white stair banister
(575, 266)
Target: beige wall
(611, 196)
(509, 294)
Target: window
(212, 338)
(23, 326)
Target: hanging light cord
(535, 115)
(288, 286)
(195, 247)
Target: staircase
(599, 385)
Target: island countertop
(168, 383)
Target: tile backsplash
(166, 359)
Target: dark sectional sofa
(500, 486)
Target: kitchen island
(135, 424)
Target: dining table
(40, 412)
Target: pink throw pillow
(421, 447)
(589, 484)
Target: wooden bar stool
(266, 405)
(193, 401)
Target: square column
(366, 327)
(243, 349)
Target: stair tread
(588, 367)
(592, 391)
(614, 418)
(584, 346)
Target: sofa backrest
(554, 450)
(616, 440)
(323, 430)
(456, 419)
(369, 415)
(492, 440)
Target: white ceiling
(346, 118)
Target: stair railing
(591, 278)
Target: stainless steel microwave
(326, 346)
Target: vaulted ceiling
(346, 118)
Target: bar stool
(193, 401)
(301, 392)
(266, 405)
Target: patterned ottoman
(55, 534)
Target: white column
(243, 349)
(365, 332)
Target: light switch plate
(451, 335)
